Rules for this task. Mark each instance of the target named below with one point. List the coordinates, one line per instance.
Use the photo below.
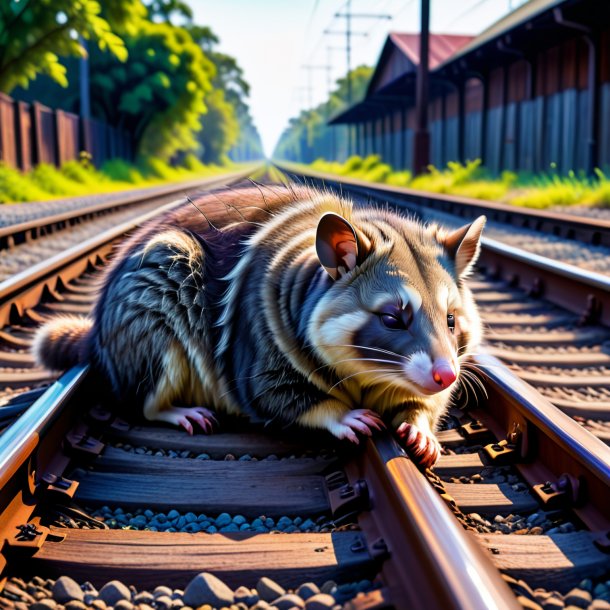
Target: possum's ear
(338, 245)
(464, 244)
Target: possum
(287, 305)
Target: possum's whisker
(359, 373)
(475, 381)
(354, 360)
(365, 347)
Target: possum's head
(397, 313)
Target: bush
(77, 171)
(121, 171)
(352, 164)
(378, 173)
(51, 180)
(399, 178)
(14, 186)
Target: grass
(76, 178)
(472, 180)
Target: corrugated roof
(441, 46)
(521, 14)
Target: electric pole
(348, 16)
(421, 154)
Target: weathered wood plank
(488, 498)
(450, 437)
(558, 561)
(118, 460)
(216, 445)
(146, 559)
(234, 491)
(459, 464)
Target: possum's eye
(451, 322)
(396, 318)
(391, 321)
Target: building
(532, 92)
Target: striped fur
(233, 310)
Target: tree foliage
(34, 34)
(308, 130)
(159, 93)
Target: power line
(349, 15)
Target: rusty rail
(583, 292)
(11, 235)
(595, 232)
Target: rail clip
(345, 498)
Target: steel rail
(552, 444)
(9, 234)
(436, 562)
(586, 293)
(20, 439)
(596, 232)
(25, 290)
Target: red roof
(442, 46)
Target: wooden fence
(33, 133)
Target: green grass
(472, 180)
(76, 178)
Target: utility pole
(348, 16)
(421, 155)
(310, 68)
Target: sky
(273, 40)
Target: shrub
(378, 173)
(14, 186)
(51, 180)
(121, 171)
(352, 164)
(399, 178)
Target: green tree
(309, 132)
(159, 93)
(34, 34)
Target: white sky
(273, 39)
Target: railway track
(546, 318)
(514, 515)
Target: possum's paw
(358, 420)
(187, 416)
(422, 447)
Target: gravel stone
(320, 601)
(163, 602)
(66, 589)
(98, 604)
(144, 597)
(75, 604)
(328, 587)
(44, 604)
(307, 590)
(578, 598)
(162, 591)
(247, 596)
(123, 604)
(552, 603)
(205, 588)
(599, 604)
(288, 601)
(114, 591)
(269, 590)
(528, 604)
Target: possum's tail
(59, 344)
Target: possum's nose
(443, 372)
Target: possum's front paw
(187, 416)
(356, 421)
(422, 447)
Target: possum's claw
(185, 417)
(359, 420)
(423, 448)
